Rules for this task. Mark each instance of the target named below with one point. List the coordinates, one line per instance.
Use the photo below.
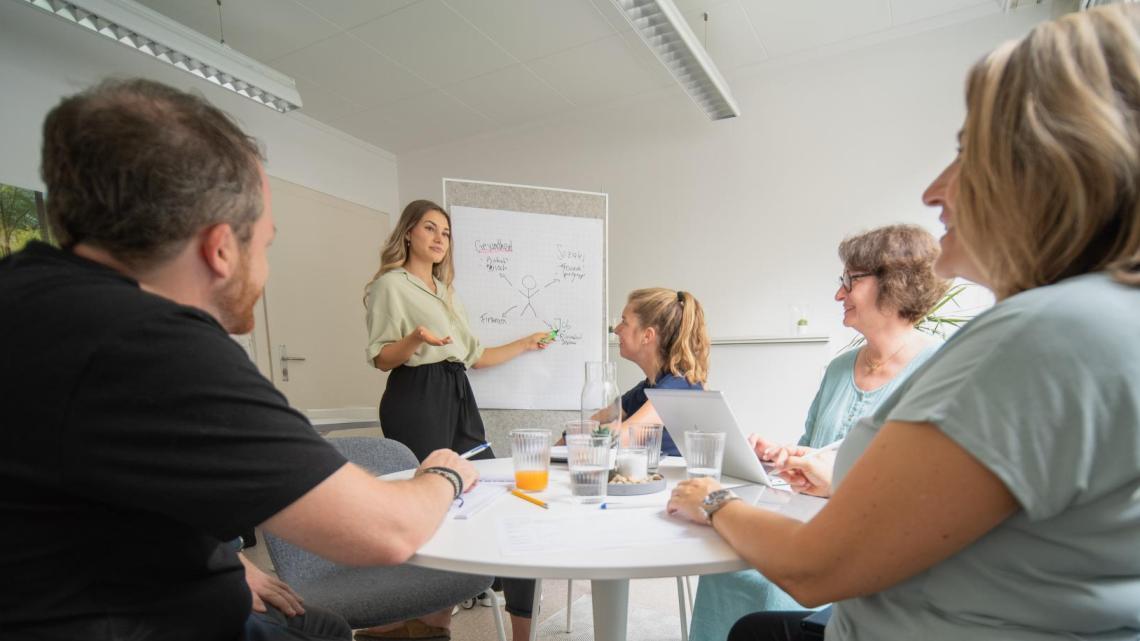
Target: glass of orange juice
(530, 449)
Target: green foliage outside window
(20, 218)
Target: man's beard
(236, 301)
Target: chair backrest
(377, 455)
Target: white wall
(747, 213)
(43, 58)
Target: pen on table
(475, 450)
(531, 499)
(624, 506)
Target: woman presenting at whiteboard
(417, 330)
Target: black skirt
(430, 407)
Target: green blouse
(398, 302)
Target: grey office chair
(369, 596)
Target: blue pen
(475, 450)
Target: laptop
(707, 411)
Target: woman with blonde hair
(996, 495)
(418, 331)
(888, 285)
(664, 332)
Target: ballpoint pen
(475, 450)
(624, 506)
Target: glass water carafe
(601, 400)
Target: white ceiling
(408, 74)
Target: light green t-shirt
(1044, 390)
(398, 302)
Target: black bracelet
(451, 475)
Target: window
(22, 218)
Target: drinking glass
(530, 449)
(588, 457)
(587, 427)
(704, 454)
(646, 436)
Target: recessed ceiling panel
(434, 42)
(354, 70)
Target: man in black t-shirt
(136, 437)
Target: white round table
(580, 542)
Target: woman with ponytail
(664, 332)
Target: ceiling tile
(201, 16)
(434, 42)
(353, 13)
(261, 29)
(371, 126)
(530, 29)
(609, 12)
(787, 27)
(596, 73)
(321, 103)
(509, 96)
(905, 11)
(350, 68)
(729, 38)
(417, 122)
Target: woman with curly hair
(888, 284)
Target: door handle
(285, 358)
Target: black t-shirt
(135, 438)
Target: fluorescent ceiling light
(1060, 6)
(152, 33)
(665, 31)
(1010, 5)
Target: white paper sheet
(604, 529)
(479, 497)
(519, 273)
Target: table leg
(611, 608)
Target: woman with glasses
(996, 494)
(888, 284)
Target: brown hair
(1049, 183)
(683, 339)
(902, 259)
(137, 168)
(395, 251)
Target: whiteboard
(521, 272)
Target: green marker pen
(551, 336)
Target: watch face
(714, 497)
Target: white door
(325, 251)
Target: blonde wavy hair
(395, 251)
(1049, 182)
(683, 339)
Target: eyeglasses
(848, 279)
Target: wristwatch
(716, 500)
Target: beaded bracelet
(451, 475)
